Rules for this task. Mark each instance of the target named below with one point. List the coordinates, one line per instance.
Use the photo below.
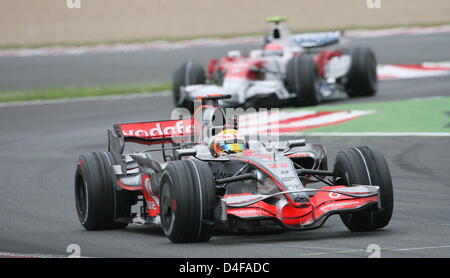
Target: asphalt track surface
(157, 66)
(40, 145)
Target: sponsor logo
(278, 165)
(298, 155)
(338, 205)
(245, 212)
(252, 153)
(152, 205)
(158, 130)
(334, 195)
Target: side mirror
(296, 143)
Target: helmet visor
(234, 148)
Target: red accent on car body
(212, 66)
(126, 187)
(320, 204)
(323, 57)
(238, 67)
(153, 209)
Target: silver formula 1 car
(304, 68)
(191, 192)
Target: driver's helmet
(228, 141)
(273, 48)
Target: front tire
(303, 79)
(367, 166)
(188, 74)
(97, 202)
(187, 201)
(362, 76)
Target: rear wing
(169, 131)
(321, 39)
(150, 133)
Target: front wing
(324, 203)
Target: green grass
(59, 93)
(412, 115)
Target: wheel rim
(81, 198)
(167, 209)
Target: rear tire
(97, 202)
(367, 166)
(303, 79)
(362, 76)
(187, 201)
(187, 74)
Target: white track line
(389, 249)
(301, 124)
(24, 255)
(394, 72)
(331, 250)
(421, 248)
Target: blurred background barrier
(34, 22)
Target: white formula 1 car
(306, 68)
